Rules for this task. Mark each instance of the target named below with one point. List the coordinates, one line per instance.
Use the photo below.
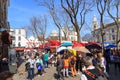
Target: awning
(19, 49)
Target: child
(66, 66)
(39, 65)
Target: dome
(54, 33)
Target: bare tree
(101, 7)
(57, 15)
(87, 37)
(38, 27)
(74, 8)
(116, 5)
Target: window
(72, 38)
(19, 38)
(112, 30)
(104, 37)
(19, 45)
(19, 32)
(113, 37)
(13, 44)
(15, 31)
(13, 37)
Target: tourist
(94, 60)
(101, 61)
(73, 65)
(32, 64)
(40, 66)
(46, 58)
(59, 65)
(66, 65)
(78, 63)
(89, 71)
(6, 75)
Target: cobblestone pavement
(51, 73)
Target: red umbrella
(74, 42)
(47, 44)
(54, 43)
(41, 46)
(78, 45)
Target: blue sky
(20, 12)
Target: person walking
(32, 65)
(46, 59)
(59, 65)
(101, 61)
(66, 66)
(78, 63)
(73, 65)
(90, 72)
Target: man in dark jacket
(59, 66)
(89, 71)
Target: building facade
(18, 37)
(70, 32)
(4, 4)
(109, 32)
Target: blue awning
(110, 46)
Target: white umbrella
(63, 48)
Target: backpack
(39, 67)
(72, 61)
(27, 66)
(94, 77)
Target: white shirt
(32, 63)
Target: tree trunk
(117, 36)
(65, 36)
(78, 35)
(102, 34)
(59, 35)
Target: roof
(108, 25)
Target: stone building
(109, 32)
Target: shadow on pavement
(56, 76)
(19, 61)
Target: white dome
(54, 33)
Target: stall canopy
(51, 44)
(78, 45)
(110, 46)
(19, 49)
(81, 49)
(93, 43)
(66, 44)
(54, 43)
(93, 46)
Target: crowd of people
(70, 65)
(39, 61)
